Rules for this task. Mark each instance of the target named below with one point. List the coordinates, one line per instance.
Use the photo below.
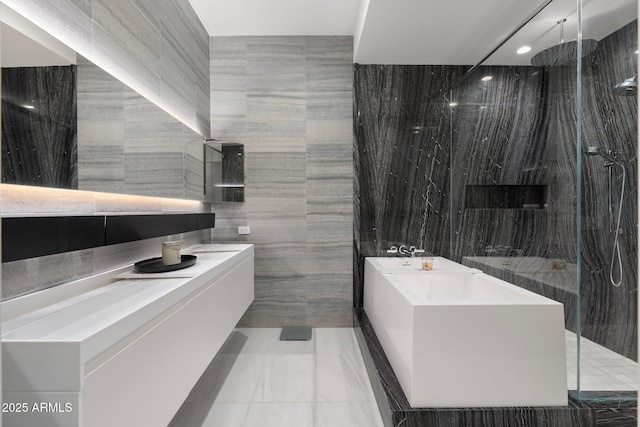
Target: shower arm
(526, 20)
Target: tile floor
(600, 368)
(258, 380)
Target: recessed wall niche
(506, 197)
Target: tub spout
(410, 251)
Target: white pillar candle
(171, 252)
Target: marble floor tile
(212, 381)
(279, 415)
(336, 341)
(347, 414)
(259, 340)
(191, 415)
(258, 380)
(226, 414)
(287, 378)
(243, 379)
(294, 347)
(342, 378)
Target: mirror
(224, 171)
(66, 123)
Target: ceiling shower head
(563, 53)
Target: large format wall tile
(30, 275)
(162, 50)
(127, 144)
(289, 100)
(159, 48)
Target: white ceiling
(26, 45)
(449, 32)
(278, 17)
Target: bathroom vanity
(121, 348)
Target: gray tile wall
(129, 145)
(162, 51)
(289, 100)
(30, 275)
(160, 48)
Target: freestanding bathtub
(456, 337)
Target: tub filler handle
(403, 250)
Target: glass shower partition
(607, 133)
(539, 156)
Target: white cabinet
(126, 353)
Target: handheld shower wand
(611, 161)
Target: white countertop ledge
(83, 325)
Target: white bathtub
(460, 338)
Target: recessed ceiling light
(486, 78)
(524, 49)
(453, 104)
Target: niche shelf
(506, 197)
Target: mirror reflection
(66, 123)
(224, 171)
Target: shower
(563, 53)
(610, 163)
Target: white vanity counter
(105, 345)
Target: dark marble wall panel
(498, 139)
(233, 172)
(39, 131)
(416, 155)
(402, 137)
(610, 122)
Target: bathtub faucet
(403, 250)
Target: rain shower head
(627, 88)
(563, 53)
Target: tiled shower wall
(289, 101)
(162, 50)
(416, 157)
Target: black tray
(155, 265)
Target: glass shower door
(606, 345)
(543, 179)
